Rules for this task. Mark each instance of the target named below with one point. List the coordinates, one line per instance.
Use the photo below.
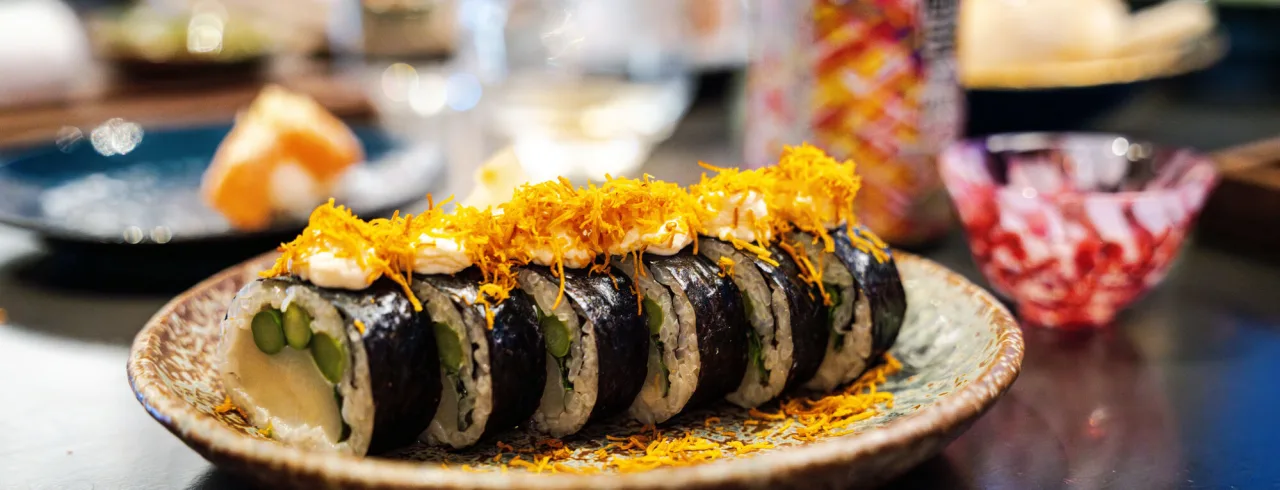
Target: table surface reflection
(1179, 394)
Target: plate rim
(209, 437)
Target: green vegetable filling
(268, 334)
(755, 353)
(837, 336)
(755, 347)
(329, 355)
(297, 327)
(556, 335)
(449, 346)
(664, 381)
(653, 316)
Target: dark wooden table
(1180, 393)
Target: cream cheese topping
(327, 270)
(439, 255)
(737, 217)
(575, 254)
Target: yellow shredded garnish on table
(268, 431)
(800, 418)
(225, 406)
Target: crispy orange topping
(812, 192)
(726, 266)
(376, 247)
(731, 188)
(562, 226)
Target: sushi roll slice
(698, 334)
(492, 377)
(867, 307)
(597, 346)
(347, 371)
(787, 338)
(879, 281)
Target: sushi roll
(868, 304)
(787, 338)
(346, 371)
(597, 345)
(492, 377)
(879, 281)
(699, 343)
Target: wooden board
(1243, 213)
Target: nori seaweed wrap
(880, 283)
(597, 346)
(709, 303)
(352, 371)
(492, 378)
(867, 310)
(788, 334)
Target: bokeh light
(463, 91)
(399, 81)
(116, 137)
(430, 96)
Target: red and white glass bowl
(1074, 227)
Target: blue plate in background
(150, 193)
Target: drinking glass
(575, 88)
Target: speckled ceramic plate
(960, 350)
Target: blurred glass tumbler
(1074, 227)
(577, 88)
(869, 80)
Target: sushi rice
(671, 375)
(564, 411)
(286, 391)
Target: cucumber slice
(297, 327)
(329, 356)
(755, 354)
(653, 314)
(556, 334)
(450, 347)
(268, 335)
(833, 291)
(664, 379)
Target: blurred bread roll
(1005, 32)
(1168, 25)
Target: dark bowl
(147, 192)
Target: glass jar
(869, 80)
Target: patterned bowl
(1074, 227)
(960, 350)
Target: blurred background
(583, 89)
(115, 117)
(586, 88)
